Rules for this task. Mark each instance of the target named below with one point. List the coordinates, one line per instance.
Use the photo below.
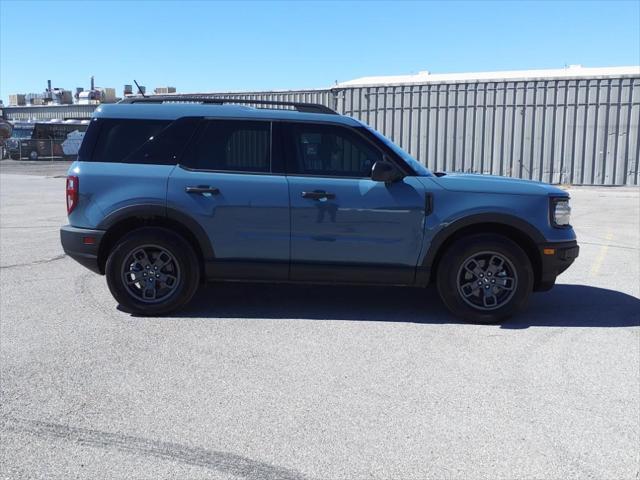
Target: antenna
(140, 90)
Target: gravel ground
(263, 381)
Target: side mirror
(385, 172)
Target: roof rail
(300, 107)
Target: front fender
(450, 228)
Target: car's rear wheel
(152, 271)
(485, 278)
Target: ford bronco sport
(168, 192)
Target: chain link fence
(41, 149)
(45, 142)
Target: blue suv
(169, 192)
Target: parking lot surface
(265, 381)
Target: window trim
(277, 150)
(347, 177)
(198, 131)
(235, 172)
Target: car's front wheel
(152, 271)
(485, 278)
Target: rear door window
(231, 145)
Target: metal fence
(40, 149)
(323, 97)
(48, 112)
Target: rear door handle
(202, 189)
(318, 195)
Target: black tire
(183, 267)
(33, 155)
(471, 295)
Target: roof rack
(300, 107)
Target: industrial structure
(60, 96)
(164, 90)
(573, 125)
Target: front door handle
(202, 189)
(318, 195)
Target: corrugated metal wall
(323, 97)
(47, 112)
(557, 131)
(582, 131)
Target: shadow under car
(563, 306)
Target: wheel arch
(122, 221)
(523, 233)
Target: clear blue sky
(218, 46)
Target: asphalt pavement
(266, 381)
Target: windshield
(417, 166)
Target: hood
(475, 183)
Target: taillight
(72, 193)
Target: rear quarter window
(165, 148)
(113, 140)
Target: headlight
(560, 212)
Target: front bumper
(555, 259)
(82, 244)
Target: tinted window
(118, 138)
(89, 141)
(241, 146)
(330, 150)
(166, 147)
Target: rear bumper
(555, 259)
(82, 244)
